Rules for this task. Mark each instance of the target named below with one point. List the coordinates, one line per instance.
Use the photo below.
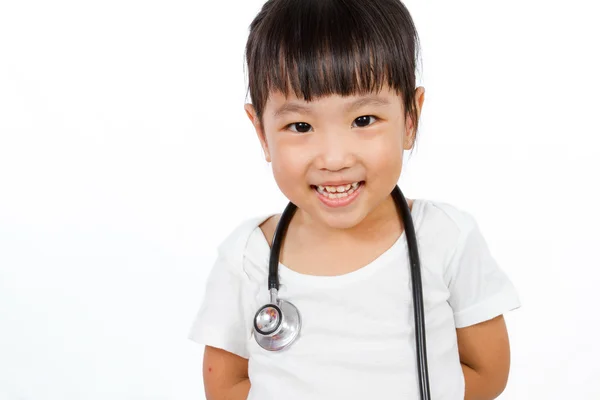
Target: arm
(485, 358)
(225, 375)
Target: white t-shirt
(357, 340)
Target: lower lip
(342, 201)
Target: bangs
(316, 48)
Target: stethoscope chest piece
(277, 324)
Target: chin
(341, 221)
(339, 218)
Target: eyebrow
(288, 108)
(367, 101)
(292, 107)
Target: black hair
(322, 47)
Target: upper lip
(336, 183)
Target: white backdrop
(126, 157)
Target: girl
(334, 105)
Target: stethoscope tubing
(415, 270)
(418, 306)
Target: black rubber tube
(278, 237)
(415, 272)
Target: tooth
(341, 189)
(330, 189)
(351, 191)
(348, 187)
(355, 185)
(342, 194)
(321, 188)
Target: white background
(126, 157)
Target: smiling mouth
(339, 191)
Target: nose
(335, 152)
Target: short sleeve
(220, 321)
(479, 289)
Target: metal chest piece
(276, 324)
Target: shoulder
(447, 216)
(444, 227)
(269, 225)
(233, 247)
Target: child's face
(333, 141)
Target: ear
(251, 113)
(410, 124)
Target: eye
(299, 127)
(364, 121)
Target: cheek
(385, 155)
(289, 166)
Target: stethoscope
(277, 323)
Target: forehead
(279, 104)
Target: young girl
(334, 105)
